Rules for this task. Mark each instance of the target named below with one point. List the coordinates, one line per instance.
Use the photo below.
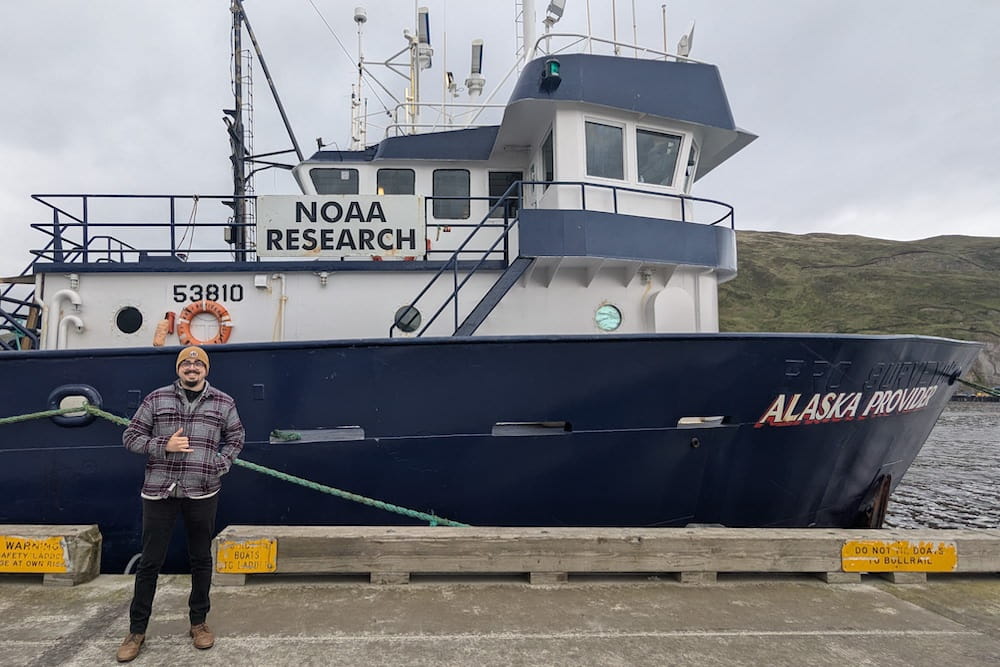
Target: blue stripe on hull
(428, 408)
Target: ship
(507, 324)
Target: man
(191, 434)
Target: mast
(529, 36)
(234, 123)
(241, 140)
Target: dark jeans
(158, 519)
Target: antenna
(424, 50)
(687, 39)
(359, 128)
(553, 13)
(476, 82)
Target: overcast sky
(875, 118)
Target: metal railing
(77, 236)
(73, 238)
(578, 43)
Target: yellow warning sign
(33, 554)
(898, 556)
(247, 557)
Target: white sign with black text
(335, 226)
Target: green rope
(978, 387)
(42, 415)
(432, 519)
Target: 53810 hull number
(211, 291)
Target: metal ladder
(494, 294)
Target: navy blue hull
(429, 411)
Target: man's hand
(178, 442)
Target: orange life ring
(204, 306)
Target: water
(955, 480)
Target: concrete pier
(538, 596)
(597, 620)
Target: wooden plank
(416, 549)
(31, 323)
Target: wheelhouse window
(500, 182)
(451, 183)
(548, 160)
(329, 181)
(395, 182)
(605, 151)
(656, 156)
(692, 167)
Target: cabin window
(395, 182)
(692, 167)
(548, 160)
(335, 181)
(656, 155)
(500, 181)
(605, 150)
(451, 183)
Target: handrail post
(57, 250)
(173, 228)
(454, 287)
(506, 236)
(86, 232)
(683, 210)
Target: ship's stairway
(509, 203)
(20, 311)
(20, 316)
(492, 297)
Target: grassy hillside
(944, 286)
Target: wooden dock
(552, 555)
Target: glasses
(190, 364)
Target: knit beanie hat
(194, 353)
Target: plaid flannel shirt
(214, 432)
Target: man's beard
(191, 383)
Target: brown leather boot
(203, 637)
(130, 647)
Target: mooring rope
(432, 519)
(989, 391)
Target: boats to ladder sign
(247, 557)
(332, 227)
(40, 555)
(898, 556)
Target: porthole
(408, 319)
(608, 317)
(129, 320)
